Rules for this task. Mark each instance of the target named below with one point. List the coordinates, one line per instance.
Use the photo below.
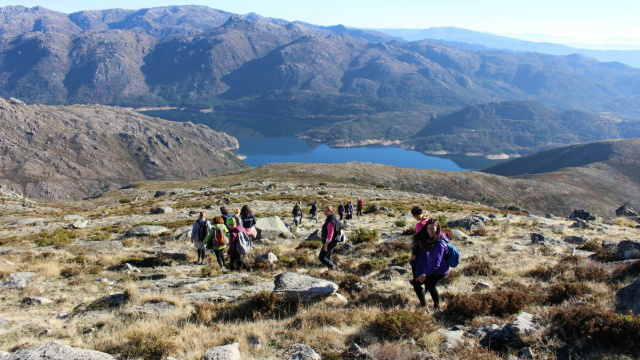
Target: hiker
(430, 266)
(341, 210)
(225, 213)
(330, 233)
(297, 214)
(314, 211)
(360, 205)
(201, 228)
(421, 217)
(218, 240)
(249, 221)
(237, 261)
(349, 210)
(236, 215)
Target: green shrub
(401, 260)
(401, 223)
(389, 249)
(403, 324)
(323, 184)
(151, 343)
(309, 244)
(363, 236)
(380, 186)
(371, 265)
(57, 237)
(322, 192)
(442, 219)
(124, 201)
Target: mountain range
(476, 40)
(192, 55)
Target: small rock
(160, 193)
(526, 353)
(72, 217)
(576, 240)
(88, 330)
(17, 280)
(146, 230)
(271, 257)
(301, 352)
(469, 223)
(459, 234)
(63, 316)
(581, 224)
(162, 210)
(315, 235)
(178, 255)
(226, 352)
(482, 285)
(33, 300)
(46, 332)
(130, 267)
(255, 342)
(297, 287)
(348, 247)
(453, 338)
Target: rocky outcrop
(297, 287)
(56, 351)
(226, 352)
(17, 280)
(628, 298)
(469, 223)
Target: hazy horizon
(562, 21)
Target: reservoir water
(267, 140)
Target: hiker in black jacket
(330, 236)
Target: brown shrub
(592, 272)
(593, 245)
(558, 293)
(152, 343)
(479, 232)
(451, 277)
(591, 325)
(409, 231)
(623, 272)
(493, 302)
(371, 265)
(403, 324)
(479, 266)
(263, 305)
(541, 272)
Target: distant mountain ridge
(496, 42)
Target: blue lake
(268, 140)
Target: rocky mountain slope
(70, 152)
(120, 277)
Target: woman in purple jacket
(430, 266)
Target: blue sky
(588, 21)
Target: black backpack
(202, 230)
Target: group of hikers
(234, 232)
(345, 211)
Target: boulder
(316, 235)
(576, 240)
(162, 210)
(56, 351)
(581, 224)
(17, 280)
(34, 300)
(79, 224)
(272, 227)
(146, 230)
(540, 239)
(629, 249)
(301, 352)
(297, 287)
(347, 247)
(459, 234)
(468, 223)
(225, 352)
(524, 324)
(626, 210)
(628, 298)
(110, 247)
(453, 339)
(160, 193)
(582, 215)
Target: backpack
(452, 257)
(219, 238)
(244, 243)
(202, 230)
(342, 237)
